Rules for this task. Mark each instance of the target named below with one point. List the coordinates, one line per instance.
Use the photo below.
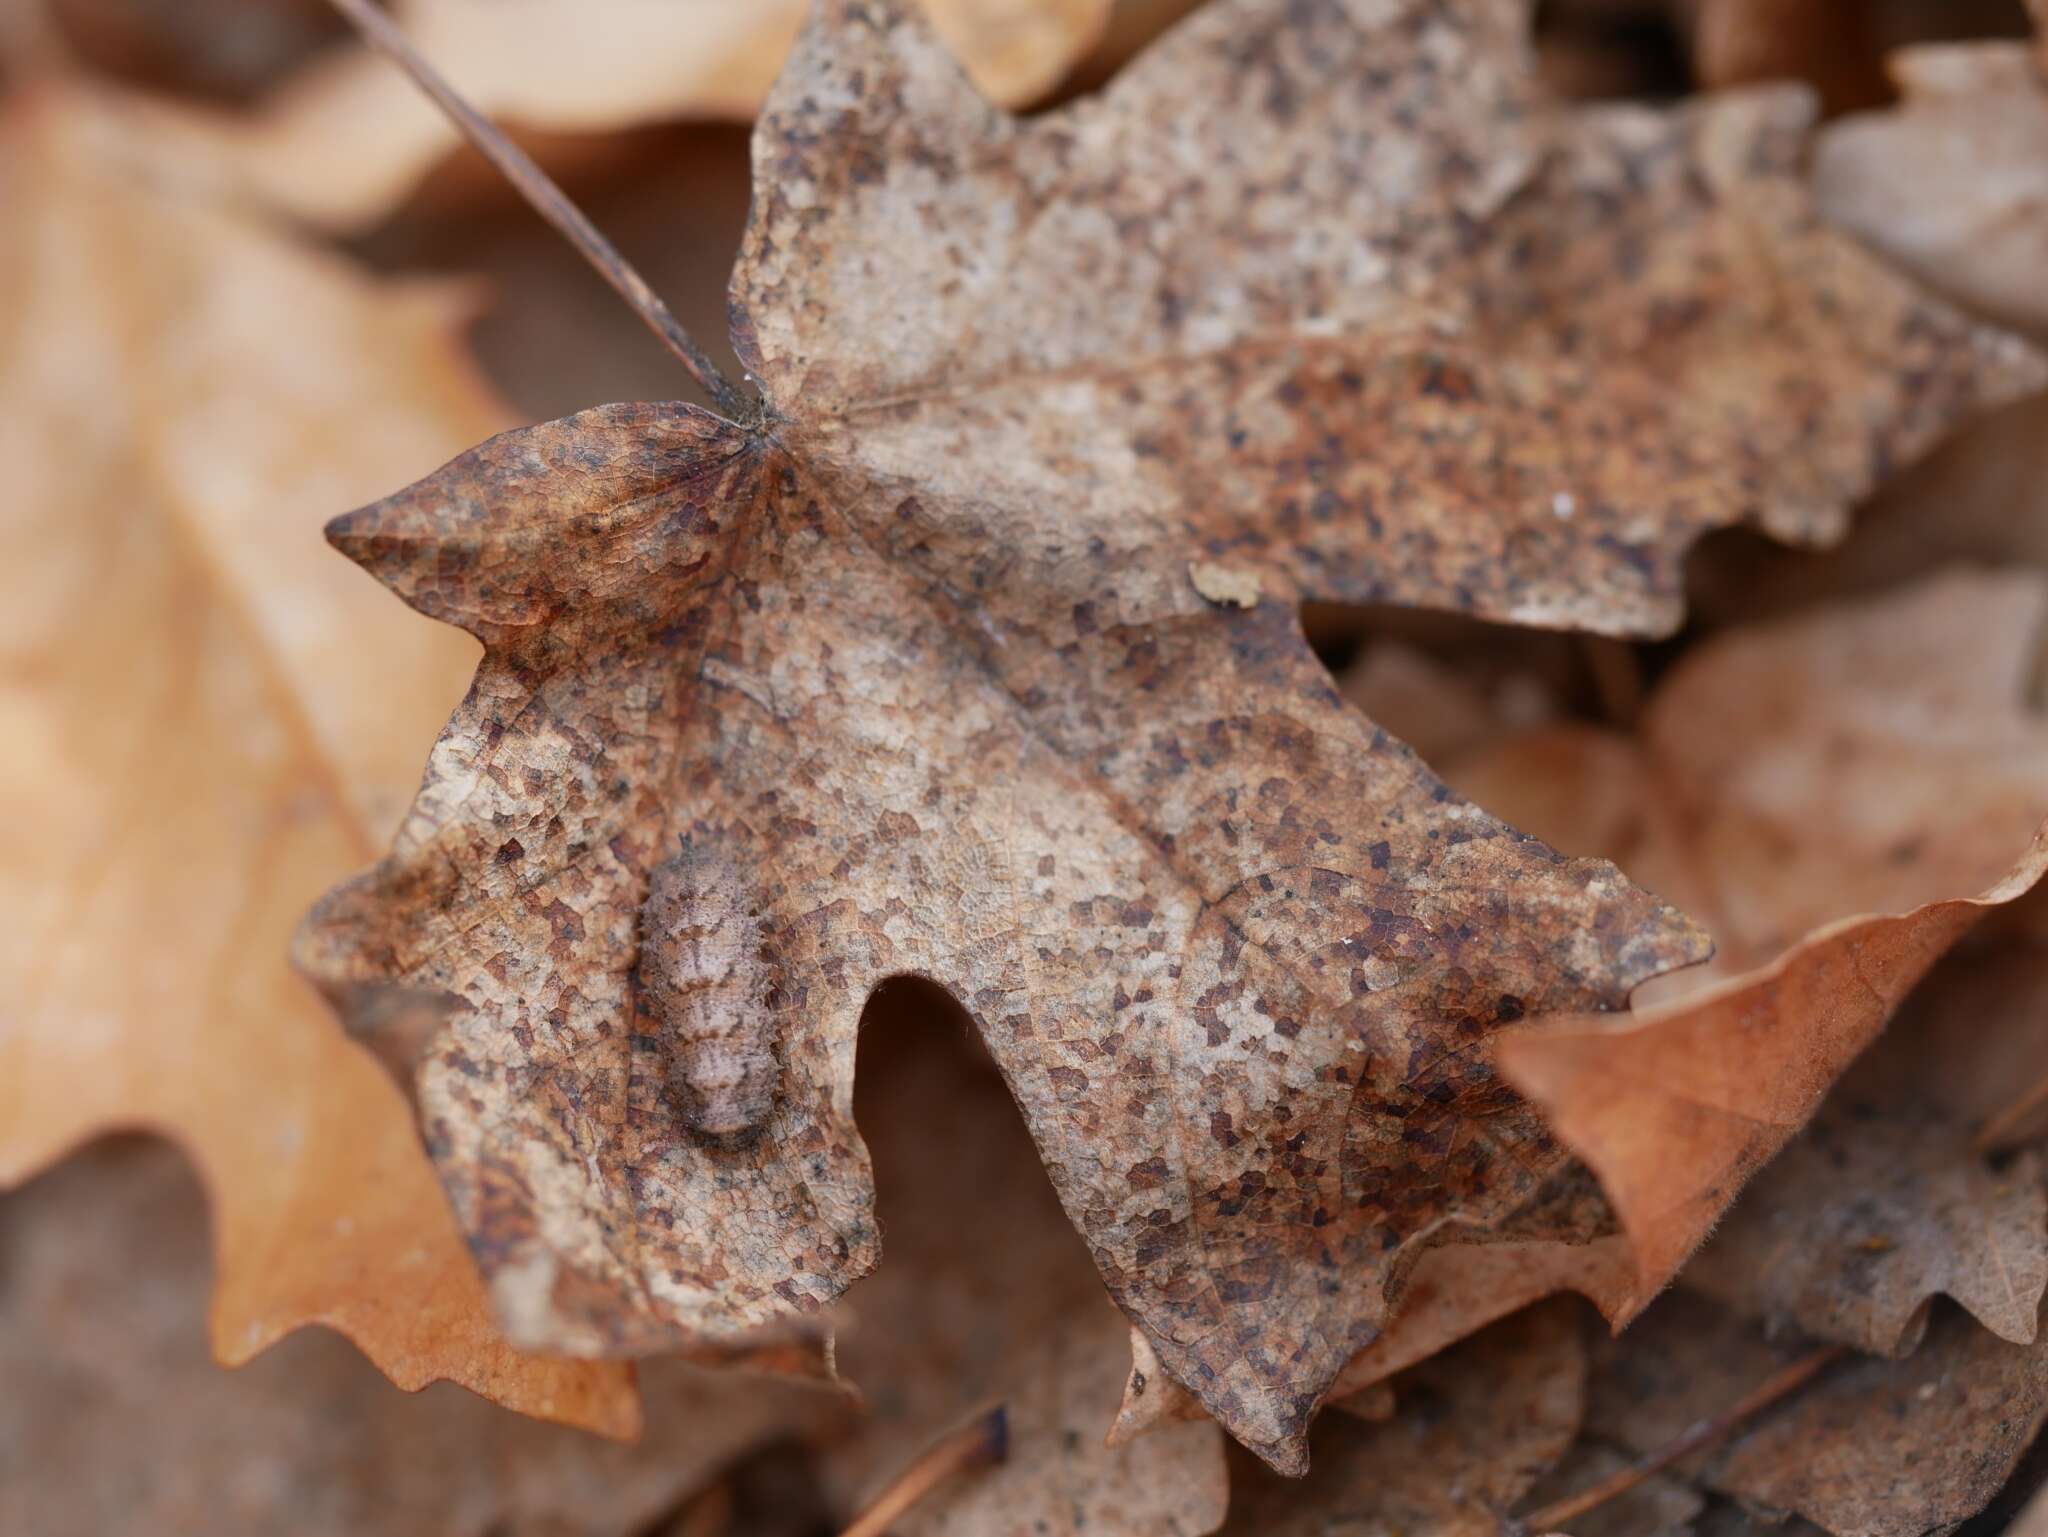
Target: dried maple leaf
(344, 142)
(116, 1421)
(912, 673)
(210, 726)
(1869, 755)
(1953, 183)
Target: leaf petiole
(552, 204)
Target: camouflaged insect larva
(706, 975)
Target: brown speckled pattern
(919, 661)
(710, 981)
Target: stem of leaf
(551, 203)
(2014, 1126)
(981, 1442)
(1704, 1433)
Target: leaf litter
(1956, 1077)
(1230, 956)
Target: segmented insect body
(706, 975)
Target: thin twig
(981, 1442)
(1705, 1433)
(550, 202)
(2019, 1122)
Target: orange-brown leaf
(976, 657)
(1674, 1107)
(204, 724)
(1876, 756)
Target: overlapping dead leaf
(115, 1420)
(204, 724)
(1953, 183)
(974, 657)
(1875, 1448)
(1231, 947)
(1789, 781)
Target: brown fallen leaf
(1873, 1448)
(115, 1420)
(1057, 1467)
(1675, 1106)
(1953, 183)
(1474, 1429)
(1832, 44)
(210, 724)
(1870, 756)
(1869, 1214)
(910, 675)
(1884, 1201)
(989, 1297)
(344, 142)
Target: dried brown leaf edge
(1676, 1106)
(909, 674)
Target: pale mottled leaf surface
(919, 663)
